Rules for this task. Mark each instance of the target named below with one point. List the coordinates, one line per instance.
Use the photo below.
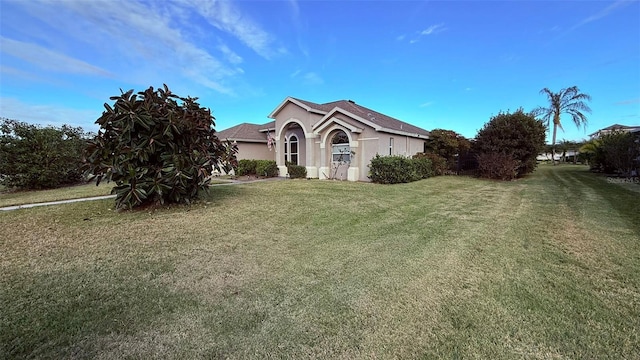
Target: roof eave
(403, 133)
(247, 140)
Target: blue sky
(435, 64)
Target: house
(614, 127)
(335, 140)
(252, 140)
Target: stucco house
(333, 140)
(615, 127)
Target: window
(390, 146)
(293, 149)
(340, 150)
(286, 149)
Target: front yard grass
(10, 198)
(455, 267)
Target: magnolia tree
(157, 147)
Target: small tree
(517, 136)
(592, 154)
(33, 157)
(157, 147)
(568, 101)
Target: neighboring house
(614, 127)
(251, 139)
(335, 140)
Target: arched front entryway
(292, 146)
(340, 155)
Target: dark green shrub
(266, 168)
(296, 171)
(497, 166)
(447, 145)
(439, 164)
(246, 167)
(620, 151)
(517, 136)
(157, 149)
(33, 157)
(392, 170)
(422, 166)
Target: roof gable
(378, 121)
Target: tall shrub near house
(157, 147)
(507, 146)
(34, 157)
(447, 145)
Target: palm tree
(568, 101)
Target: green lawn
(10, 198)
(453, 267)
(71, 192)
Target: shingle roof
(246, 132)
(365, 113)
(614, 127)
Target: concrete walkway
(26, 206)
(59, 202)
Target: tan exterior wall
(254, 151)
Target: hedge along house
(337, 140)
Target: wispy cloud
(312, 78)
(229, 54)
(225, 16)
(427, 104)
(46, 114)
(25, 75)
(431, 30)
(308, 78)
(48, 59)
(628, 102)
(602, 13)
(149, 41)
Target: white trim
(312, 172)
(341, 122)
(247, 140)
(404, 133)
(345, 112)
(366, 139)
(289, 99)
(325, 134)
(289, 121)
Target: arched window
(340, 150)
(293, 150)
